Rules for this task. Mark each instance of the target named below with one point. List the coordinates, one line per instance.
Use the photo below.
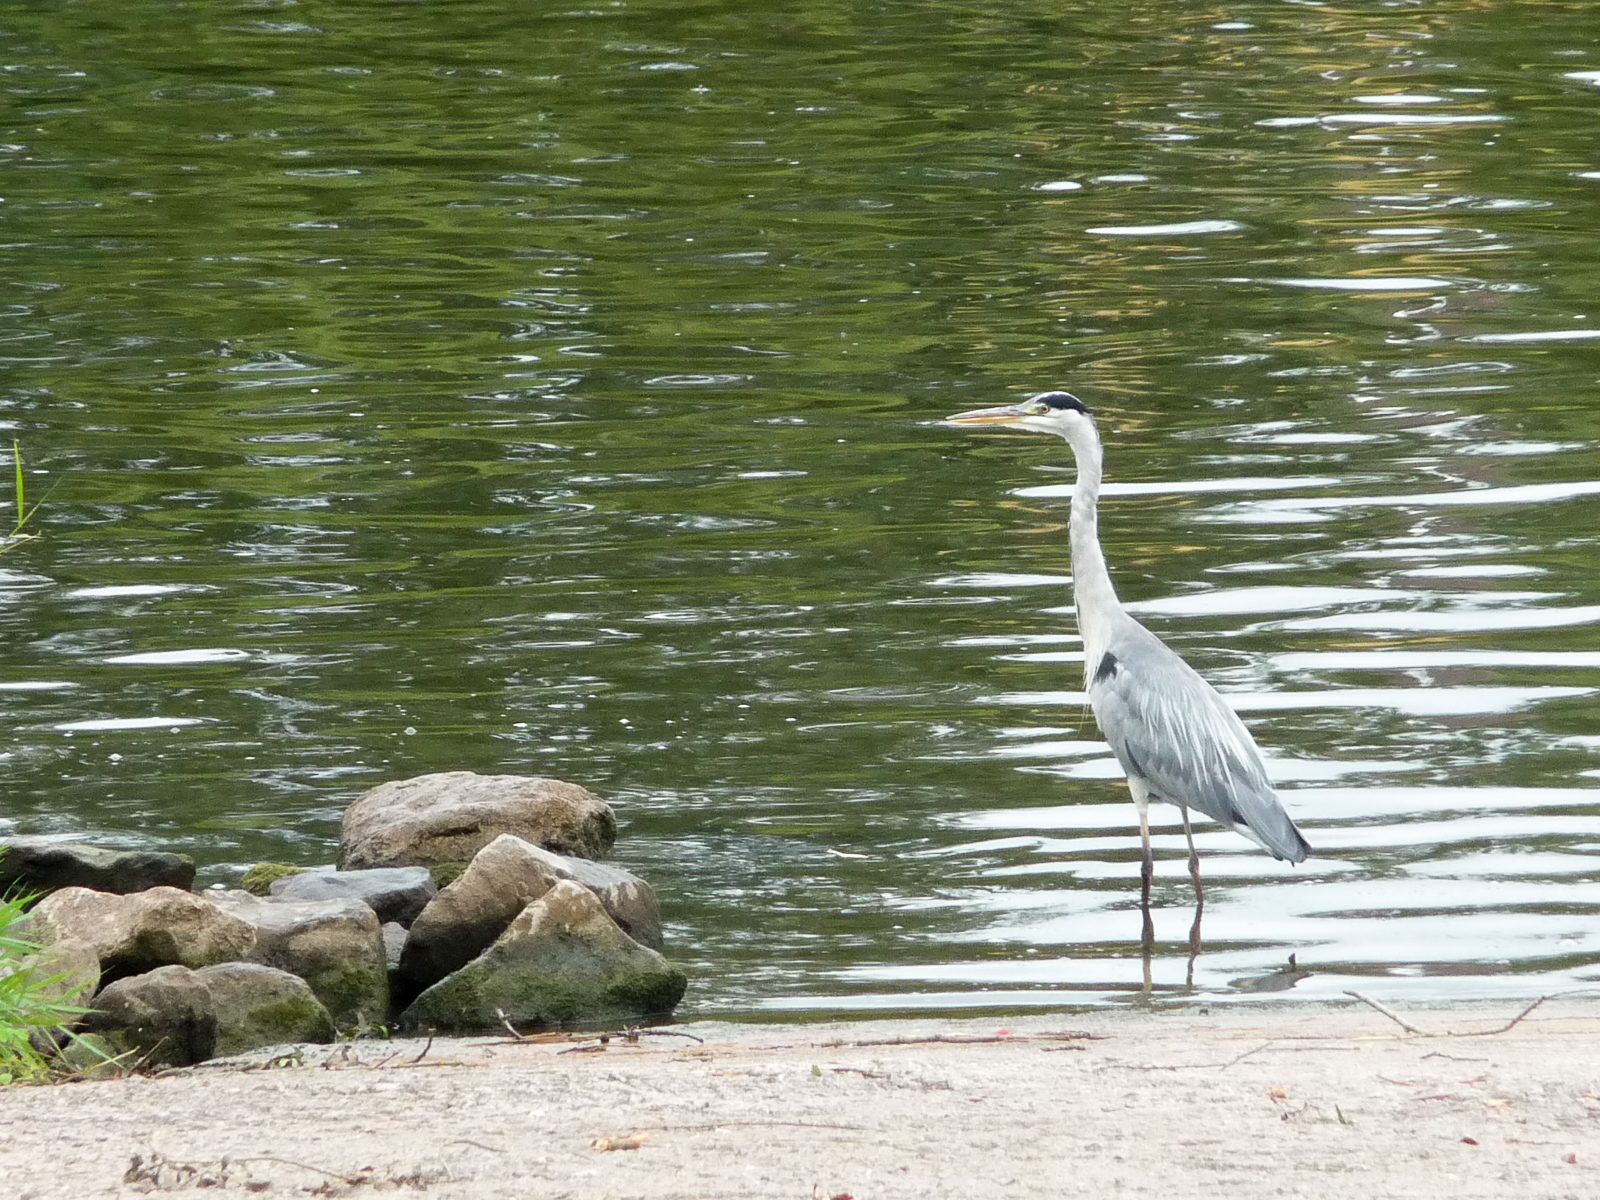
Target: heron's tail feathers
(1274, 831)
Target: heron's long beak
(1005, 414)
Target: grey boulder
(336, 946)
(136, 933)
(562, 962)
(257, 1005)
(503, 879)
(395, 893)
(163, 1017)
(449, 817)
(41, 864)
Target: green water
(416, 387)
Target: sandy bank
(1238, 1103)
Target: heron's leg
(1199, 892)
(1147, 862)
(1194, 861)
(1147, 870)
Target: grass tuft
(27, 1002)
(24, 514)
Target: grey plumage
(1170, 729)
(1176, 738)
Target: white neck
(1092, 592)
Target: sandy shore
(1257, 1102)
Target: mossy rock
(446, 873)
(94, 1056)
(166, 1016)
(336, 946)
(258, 880)
(563, 963)
(260, 1006)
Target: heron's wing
(1169, 727)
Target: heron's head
(1060, 413)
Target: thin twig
(1205, 1066)
(636, 1033)
(479, 1145)
(994, 1039)
(1241, 1057)
(523, 1041)
(118, 1062)
(1508, 1024)
(424, 1053)
(1391, 1014)
(1410, 1028)
(544, 1038)
(628, 1035)
(289, 1162)
(509, 1027)
(753, 1124)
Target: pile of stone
(527, 928)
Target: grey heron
(1176, 738)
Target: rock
(66, 971)
(257, 1005)
(90, 1056)
(164, 1016)
(394, 941)
(40, 864)
(448, 818)
(562, 962)
(446, 873)
(336, 946)
(629, 900)
(506, 876)
(132, 934)
(394, 893)
(258, 880)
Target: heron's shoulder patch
(1108, 668)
